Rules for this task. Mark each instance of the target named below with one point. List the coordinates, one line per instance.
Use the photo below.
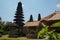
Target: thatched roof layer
(32, 24)
(53, 16)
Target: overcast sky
(34, 7)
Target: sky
(34, 7)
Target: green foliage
(53, 36)
(1, 27)
(58, 36)
(42, 32)
(6, 27)
(45, 32)
(57, 24)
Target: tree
(1, 27)
(6, 27)
(31, 18)
(39, 17)
(0, 19)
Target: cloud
(58, 5)
(22, 5)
